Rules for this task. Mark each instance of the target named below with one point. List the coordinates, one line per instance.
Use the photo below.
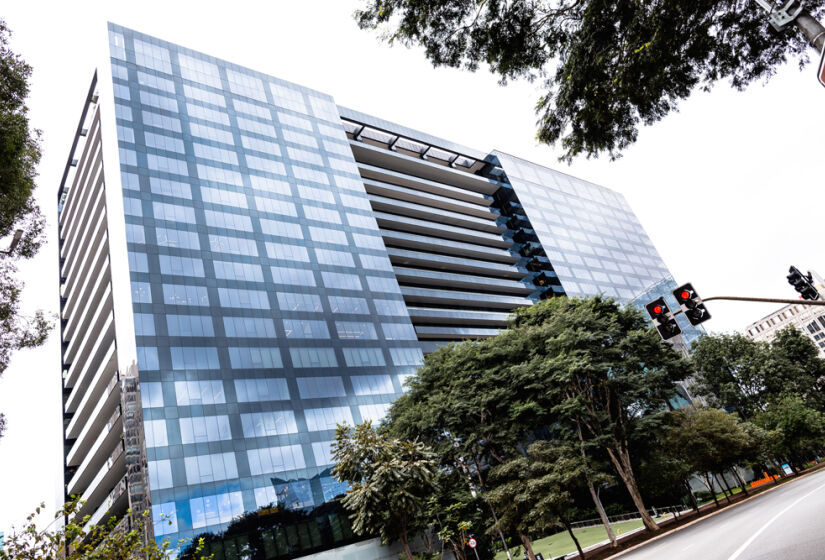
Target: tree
(390, 482)
(565, 363)
(603, 370)
(708, 440)
(606, 66)
(75, 540)
(19, 155)
(454, 512)
(533, 493)
(730, 372)
(799, 429)
(794, 367)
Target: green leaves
(608, 66)
(19, 156)
(76, 540)
(390, 480)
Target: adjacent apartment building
(244, 264)
(807, 318)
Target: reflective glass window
(199, 392)
(334, 258)
(321, 387)
(342, 304)
(147, 357)
(215, 509)
(167, 237)
(313, 357)
(398, 331)
(168, 187)
(319, 419)
(155, 432)
(341, 281)
(261, 390)
(372, 385)
(210, 468)
(141, 292)
(286, 252)
(390, 307)
(179, 294)
(406, 356)
(305, 328)
(194, 357)
(249, 327)
(289, 301)
(355, 330)
(362, 357)
(226, 270)
(246, 299)
(281, 229)
(151, 394)
(255, 358)
(181, 266)
(144, 324)
(160, 474)
(270, 460)
(233, 245)
(200, 429)
(189, 325)
(292, 276)
(275, 423)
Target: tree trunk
(622, 463)
(709, 482)
(593, 494)
(725, 487)
(572, 536)
(406, 546)
(603, 515)
(811, 29)
(742, 484)
(693, 502)
(528, 547)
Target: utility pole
(793, 11)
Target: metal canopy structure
(374, 135)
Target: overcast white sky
(730, 189)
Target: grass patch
(561, 543)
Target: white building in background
(807, 318)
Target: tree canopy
(19, 156)
(566, 368)
(77, 539)
(744, 375)
(606, 66)
(390, 481)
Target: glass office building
(244, 265)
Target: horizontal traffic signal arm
(767, 300)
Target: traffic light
(663, 319)
(802, 284)
(691, 304)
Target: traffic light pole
(766, 300)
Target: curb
(709, 515)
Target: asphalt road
(785, 524)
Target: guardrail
(654, 512)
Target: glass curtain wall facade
(589, 233)
(245, 265)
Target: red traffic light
(684, 294)
(657, 309)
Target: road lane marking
(747, 543)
